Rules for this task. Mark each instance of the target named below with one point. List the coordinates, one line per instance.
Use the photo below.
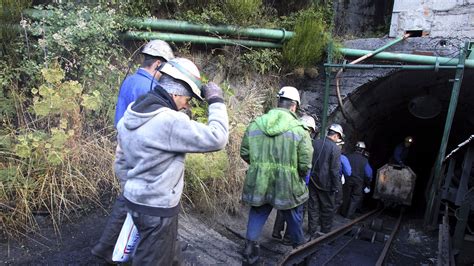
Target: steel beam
(429, 218)
(324, 116)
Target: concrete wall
(436, 18)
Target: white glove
(366, 190)
(343, 180)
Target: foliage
(202, 171)
(318, 11)
(307, 46)
(10, 15)
(46, 170)
(57, 91)
(238, 12)
(262, 60)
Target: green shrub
(307, 47)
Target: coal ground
(209, 241)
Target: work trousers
(320, 209)
(259, 215)
(114, 222)
(158, 240)
(279, 225)
(338, 199)
(352, 196)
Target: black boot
(104, 252)
(251, 253)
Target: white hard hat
(309, 121)
(360, 144)
(290, 93)
(158, 48)
(185, 70)
(337, 128)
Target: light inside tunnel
(380, 115)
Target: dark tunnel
(408, 103)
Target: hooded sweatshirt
(278, 149)
(153, 140)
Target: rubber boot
(251, 253)
(351, 210)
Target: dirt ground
(210, 241)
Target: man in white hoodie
(154, 137)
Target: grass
(30, 188)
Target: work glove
(343, 180)
(212, 93)
(366, 190)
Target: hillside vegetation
(59, 79)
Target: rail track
(365, 240)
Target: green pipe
(183, 26)
(176, 25)
(444, 141)
(372, 53)
(410, 58)
(322, 132)
(402, 67)
(176, 37)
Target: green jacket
(279, 151)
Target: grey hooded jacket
(151, 152)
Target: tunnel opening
(381, 114)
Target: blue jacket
(346, 169)
(400, 153)
(132, 87)
(360, 166)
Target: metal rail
(303, 252)
(389, 241)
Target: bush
(307, 47)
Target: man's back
(326, 164)
(358, 163)
(278, 149)
(133, 86)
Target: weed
(262, 61)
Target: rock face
(361, 17)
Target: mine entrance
(409, 103)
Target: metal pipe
(176, 37)
(390, 44)
(177, 25)
(402, 67)
(279, 35)
(322, 132)
(360, 59)
(409, 58)
(429, 220)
